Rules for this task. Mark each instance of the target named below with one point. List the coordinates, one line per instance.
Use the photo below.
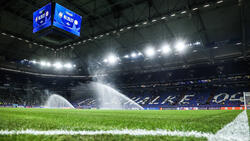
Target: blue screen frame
(42, 18)
(67, 20)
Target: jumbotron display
(67, 20)
(63, 18)
(42, 18)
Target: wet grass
(73, 119)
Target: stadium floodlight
(183, 12)
(197, 43)
(194, 9)
(239, 43)
(165, 49)
(105, 60)
(154, 20)
(68, 65)
(172, 15)
(33, 61)
(112, 59)
(42, 63)
(220, 1)
(48, 64)
(163, 17)
(139, 54)
(133, 55)
(180, 46)
(206, 5)
(126, 56)
(150, 52)
(58, 65)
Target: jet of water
(57, 101)
(109, 98)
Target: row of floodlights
(27, 41)
(150, 51)
(135, 26)
(57, 65)
(30, 42)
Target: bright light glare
(126, 56)
(139, 54)
(105, 60)
(42, 63)
(48, 64)
(150, 52)
(68, 66)
(207, 5)
(197, 43)
(219, 1)
(58, 65)
(33, 61)
(165, 49)
(133, 55)
(195, 9)
(112, 59)
(180, 46)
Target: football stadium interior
(125, 70)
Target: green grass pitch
(72, 119)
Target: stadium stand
(222, 87)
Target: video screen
(67, 20)
(42, 18)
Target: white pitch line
(237, 130)
(137, 132)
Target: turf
(72, 119)
(248, 115)
(98, 138)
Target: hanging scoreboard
(55, 15)
(42, 18)
(67, 20)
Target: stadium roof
(221, 27)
